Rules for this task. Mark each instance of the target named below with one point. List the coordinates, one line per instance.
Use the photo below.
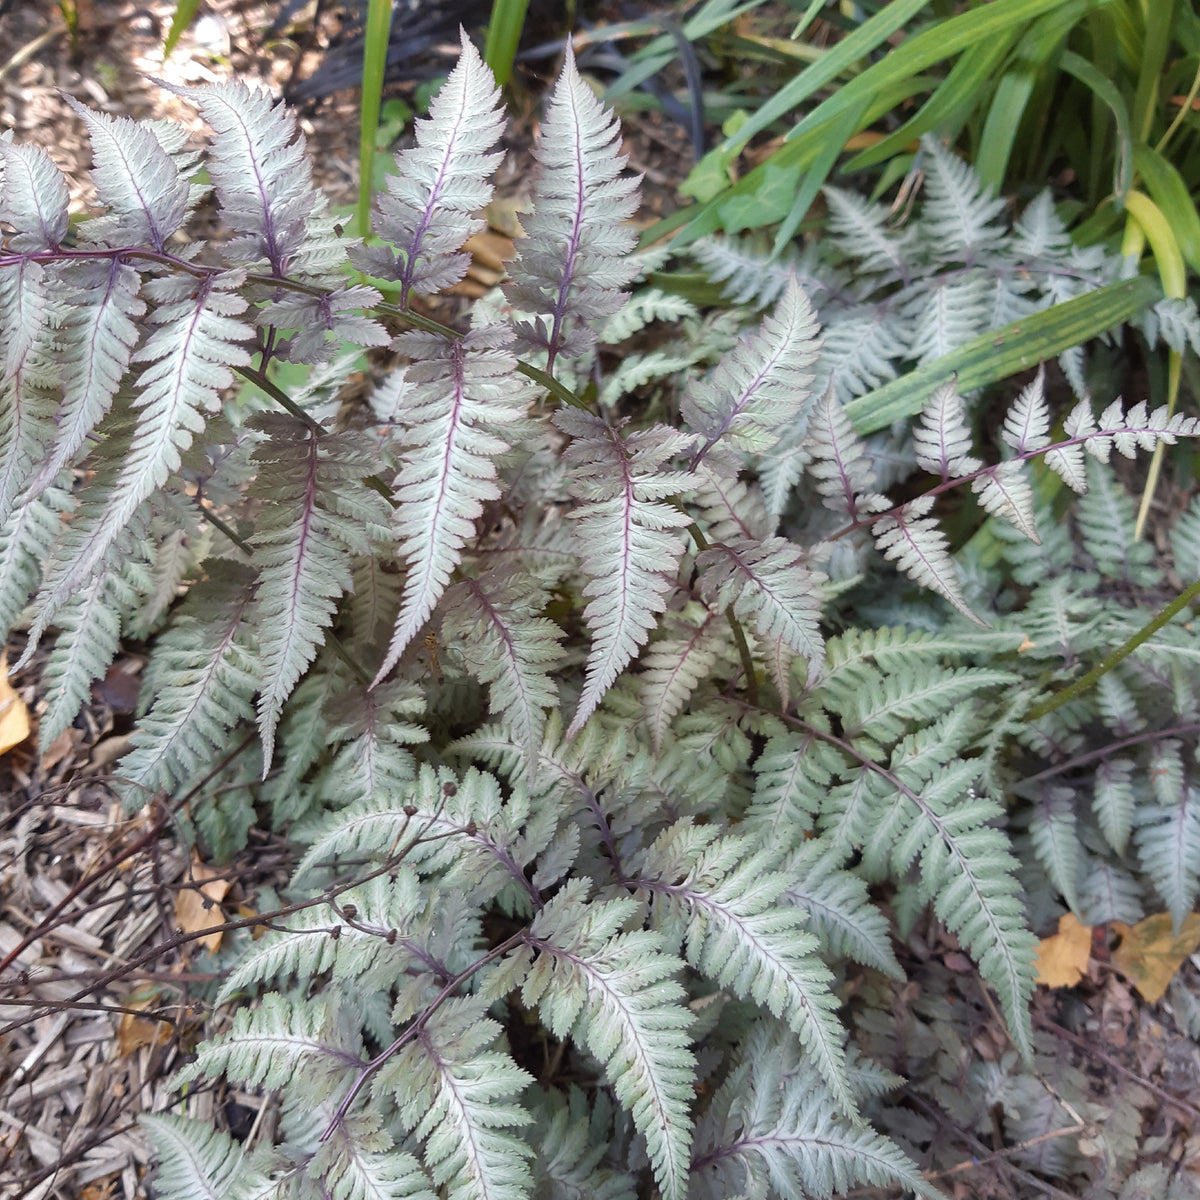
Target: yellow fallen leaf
(199, 908)
(1062, 958)
(1150, 953)
(14, 716)
(133, 1032)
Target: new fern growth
(656, 836)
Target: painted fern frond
(27, 409)
(840, 468)
(772, 1130)
(914, 541)
(457, 1094)
(941, 439)
(428, 210)
(287, 1034)
(88, 640)
(200, 1162)
(463, 389)
(26, 542)
(618, 993)
(1168, 846)
(196, 341)
(136, 179)
(574, 261)
(771, 583)
(98, 337)
(508, 645)
(724, 899)
(625, 537)
(33, 198)
(675, 665)
(204, 681)
(761, 384)
(959, 215)
(260, 171)
(839, 908)
(318, 517)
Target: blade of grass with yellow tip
(1169, 260)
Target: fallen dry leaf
(1062, 958)
(133, 1032)
(199, 907)
(14, 716)
(1150, 952)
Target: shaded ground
(99, 913)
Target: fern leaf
(135, 178)
(302, 547)
(618, 993)
(959, 214)
(740, 935)
(860, 229)
(839, 909)
(33, 198)
(675, 665)
(98, 339)
(190, 352)
(1168, 846)
(761, 384)
(729, 508)
(791, 778)
(1113, 801)
(576, 1135)
(360, 1161)
(260, 172)
(756, 280)
(770, 581)
(89, 633)
(647, 305)
(945, 314)
(942, 440)
(1004, 491)
(916, 544)
(840, 467)
(428, 210)
(1054, 834)
(462, 390)
(286, 1036)
(25, 545)
(460, 1098)
(1027, 422)
(573, 264)
(1107, 526)
(198, 1162)
(626, 539)
(28, 403)
(772, 1130)
(205, 680)
(507, 645)
(323, 322)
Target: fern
(557, 774)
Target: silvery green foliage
(547, 695)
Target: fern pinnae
(626, 536)
(574, 261)
(135, 178)
(201, 1162)
(428, 210)
(99, 335)
(737, 934)
(761, 385)
(196, 342)
(33, 198)
(462, 390)
(303, 547)
(674, 666)
(619, 993)
(510, 647)
(205, 681)
(259, 169)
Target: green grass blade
(1106, 91)
(504, 36)
(185, 10)
(375, 45)
(1003, 352)
(953, 100)
(1170, 193)
(867, 37)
